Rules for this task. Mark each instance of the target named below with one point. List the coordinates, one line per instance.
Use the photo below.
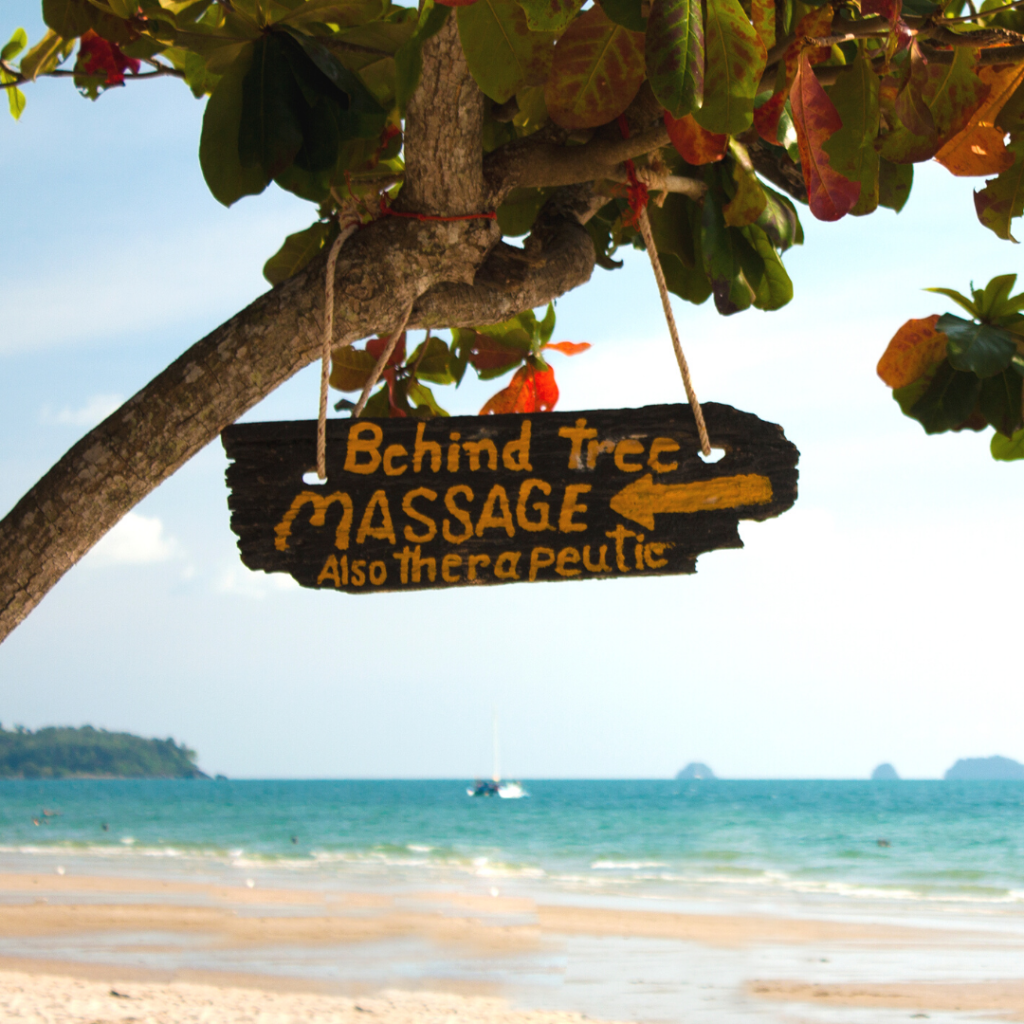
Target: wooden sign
(476, 500)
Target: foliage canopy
(833, 103)
(58, 753)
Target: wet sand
(70, 939)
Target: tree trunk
(460, 274)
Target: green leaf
(68, 18)
(1002, 198)
(43, 57)
(546, 327)
(689, 283)
(1006, 449)
(779, 220)
(297, 251)
(674, 55)
(773, 288)
(731, 291)
(409, 56)
(977, 348)
(15, 97)
(1000, 402)
(351, 368)
(519, 210)
(356, 112)
(378, 407)
(270, 134)
(672, 225)
(996, 294)
(433, 364)
(627, 13)
(550, 15)
(423, 398)
(345, 13)
(225, 176)
(894, 184)
(749, 201)
(960, 300)
(735, 59)
(851, 150)
(947, 401)
(502, 53)
(17, 43)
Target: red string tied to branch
(636, 191)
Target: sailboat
(507, 789)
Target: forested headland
(69, 753)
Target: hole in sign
(312, 477)
(717, 454)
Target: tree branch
(454, 271)
(541, 164)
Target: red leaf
(766, 117)
(568, 348)
(489, 353)
(98, 56)
(376, 346)
(829, 194)
(696, 145)
(529, 391)
(888, 9)
(389, 376)
(817, 23)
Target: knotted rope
(638, 195)
(348, 219)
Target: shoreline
(424, 952)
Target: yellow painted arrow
(642, 499)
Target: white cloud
(242, 582)
(96, 409)
(136, 540)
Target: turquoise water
(955, 843)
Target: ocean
(942, 842)
(946, 856)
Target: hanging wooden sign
(474, 500)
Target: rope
(638, 196)
(371, 382)
(347, 231)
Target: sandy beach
(180, 951)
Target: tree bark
(459, 274)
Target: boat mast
(497, 773)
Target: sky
(878, 620)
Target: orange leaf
(568, 348)
(693, 143)
(829, 194)
(914, 348)
(979, 148)
(529, 391)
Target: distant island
(885, 773)
(695, 770)
(978, 769)
(88, 753)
